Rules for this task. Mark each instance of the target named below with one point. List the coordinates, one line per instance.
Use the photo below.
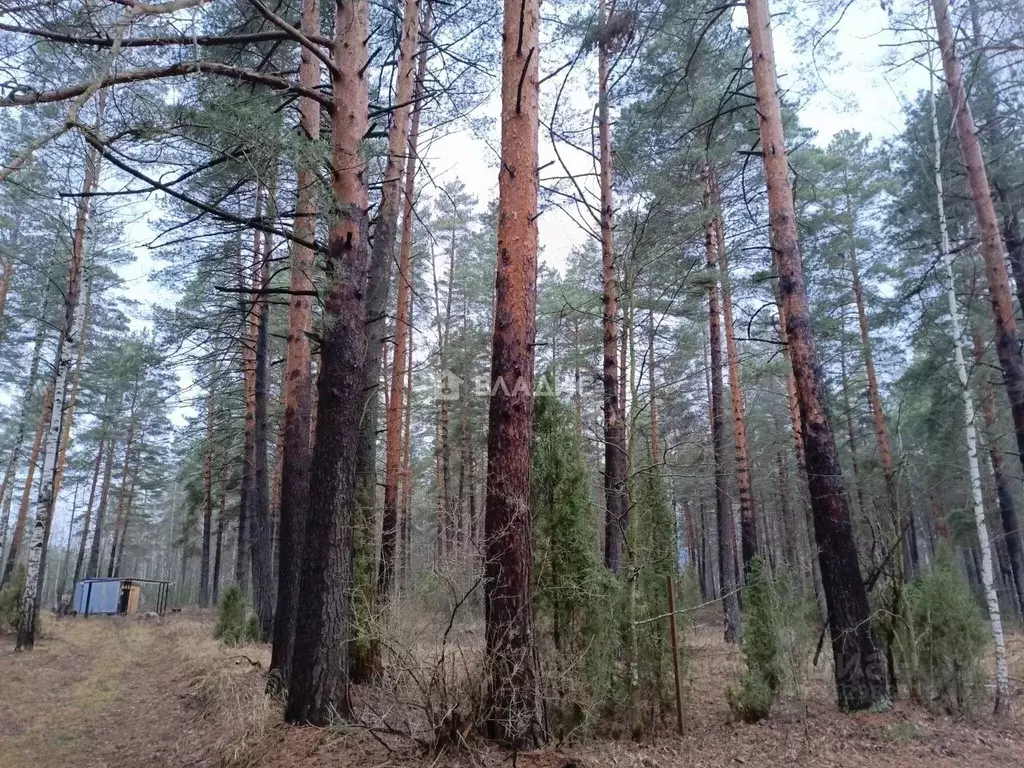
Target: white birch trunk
(1002, 672)
(51, 445)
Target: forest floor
(138, 693)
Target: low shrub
(950, 634)
(237, 623)
(10, 600)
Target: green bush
(574, 596)
(951, 637)
(774, 634)
(10, 600)
(754, 699)
(237, 623)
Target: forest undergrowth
(163, 692)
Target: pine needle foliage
(572, 593)
(237, 623)
(951, 636)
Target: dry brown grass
(131, 693)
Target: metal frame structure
(162, 595)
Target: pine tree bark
(859, 669)
(18, 446)
(515, 716)
(18, 535)
(262, 524)
(970, 431)
(1007, 342)
(1004, 492)
(988, 96)
(406, 472)
(878, 418)
(366, 651)
(616, 522)
(319, 687)
(219, 544)
(851, 429)
(248, 282)
(298, 375)
(123, 493)
(97, 466)
(723, 507)
(403, 338)
(748, 509)
(93, 567)
(204, 563)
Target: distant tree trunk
(514, 714)
(654, 442)
(1004, 491)
(247, 281)
(5, 280)
(93, 567)
(62, 572)
(851, 430)
(123, 493)
(994, 134)
(298, 376)
(1007, 342)
(403, 341)
(859, 669)
(614, 422)
(726, 554)
(790, 543)
(26, 494)
(970, 432)
(219, 545)
(881, 430)
(204, 563)
(80, 560)
(261, 523)
(748, 509)
(406, 472)
(366, 652)
(129, 507)
(319, 688)
(14, 459)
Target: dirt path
(116, 693)
(97, 693)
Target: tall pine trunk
(318, 692)
(1007, 342)
(970, 431)
(900, 534)
(859, 669)
(748, 509)
(1004, 492)
(92, 568)
(723, 506)
(403, 338)
(615, 519)
(204, 563)
(515, 716)
(298, 374)
(14, 458)
(87, 521)
(262, 524)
